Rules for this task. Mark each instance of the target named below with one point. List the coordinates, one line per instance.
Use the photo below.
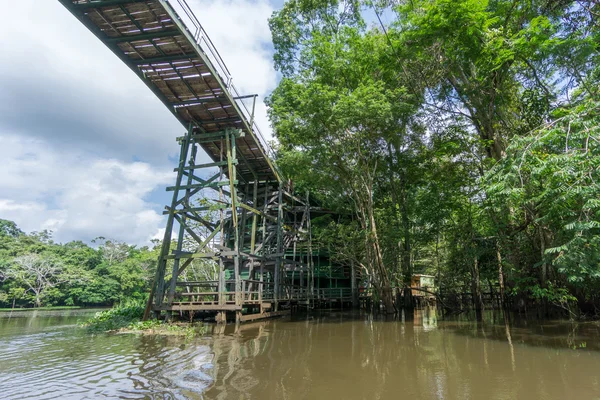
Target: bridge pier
(217, 220)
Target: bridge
(234, 216)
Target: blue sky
(76, 157)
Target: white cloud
(78, 196)
(73, 117)
(59, 82)
(240, 32)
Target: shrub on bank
(118, 317)
(127, 317)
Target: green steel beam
(215, 164)
(143, 36)
(238, 133)
(247, 96)
(198, 209)
(201, 185)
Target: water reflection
(329, 355)
(361, 357)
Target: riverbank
(49, 308)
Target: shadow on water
(350, 355)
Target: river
(335, 355)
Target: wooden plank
(200, 307)
(252, 317)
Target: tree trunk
(406, 250)
(476, 289)
(384, 287)
(500, 274)
(544, 271)
(397, 221)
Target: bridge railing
(206, 44)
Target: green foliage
(36, 271)
(9, 228)
(461, 139)
(117, 317)
(552, 176)
(128, 317)
(145, 325)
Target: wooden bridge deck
(183, 69)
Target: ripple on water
(67, 363)
(196, 381)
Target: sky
(75, 157)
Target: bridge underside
(242, 239)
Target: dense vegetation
(461, 136)
(35, 271)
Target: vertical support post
(221, 287)
(264, 236)
(254, 217)
(241, 233)
(231, 156)
(301, 283)
(261, 287)
(243, 221)
(186, 202)
(309, 258)
(353, 283)
(159, 285)
(278, 255)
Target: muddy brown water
(333, 355)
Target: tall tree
(36, 273)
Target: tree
(407, 121)
(551, 177)
(113, 251)
(9, 228)
(336, 117)
(36, 273)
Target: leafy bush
(145, 325)
(118, 317)
(129, 315)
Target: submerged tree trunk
(476, 290)
(364, 200)
(385, 289)
(397, 220)
(500, 274)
